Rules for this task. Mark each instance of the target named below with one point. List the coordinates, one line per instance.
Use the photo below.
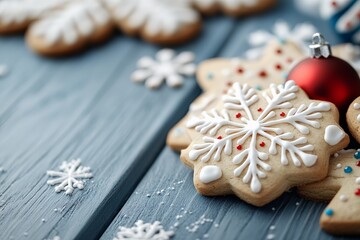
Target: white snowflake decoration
(144, 231)
(300, 35)
(166, 67)
(68, 178)
(266, 125)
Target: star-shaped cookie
(257, 144)
(342, 187)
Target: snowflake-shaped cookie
(233, 7)
(258, 144)
(300, 35)
(353, 119)
(166, 67)
(57, 27)
(344, 17)
(215, 76)
(144, 231)
(69, 177)
(157, 21)
(342, 187)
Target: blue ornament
(348, 169)
(342, 16)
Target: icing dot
(278, 66)
(278, 51)
(262, 74)
(210, 76)
(210, 173)
(258, 87)
(229, 84)
(282, 114)
(262, 144)
(357, 155)
(357, 180)
(357, 192)
(333, 135)
(239, 147)
(219, 137)
(259, 110)
(329, 212)
(358, 163)
(240, 70)
(348, 169)
(339, 165)
(343, 198)
(334, 4)
(238, 115)
(356, 106)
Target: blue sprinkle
(348, 169)
(329, 212)
(282, 41)
(285, 75)
(210, 76)
(258, 87)
(357, 155)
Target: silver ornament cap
(319, 47)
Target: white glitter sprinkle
(357, 180)
(273, 208)
(272, 227)
(343, 198)
(270, 236)
(3, 70)
(336, 155)
(338, 165)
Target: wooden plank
(83, 107)
(291, 216)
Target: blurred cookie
(353, 119)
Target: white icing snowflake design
(300, 35)
(144, 231)
(166, 67)
(241, 98)
(68, 178)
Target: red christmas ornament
(325, 77)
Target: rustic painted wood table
(86, 107)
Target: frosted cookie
(353, 119)
(233, 7)
(342, 187)
(15, 16)
(70, 29)
(215, 76)
(258, 144)
(157, 21)
(343, 16)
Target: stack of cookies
(255, 135)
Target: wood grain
(83, 107)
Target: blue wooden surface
(85, 107)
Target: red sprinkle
(358, 15)
(282, 114)
(278, 51)
(238, 115)
(334, 4)
(239, 147)
(263, 74)
(348, 25)
(229, 84)
(289, 60)
(219, 137)
(240, 70)
(262, 144)
(357, 192)
(259, 109)
(278, 67)
(358, 163)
